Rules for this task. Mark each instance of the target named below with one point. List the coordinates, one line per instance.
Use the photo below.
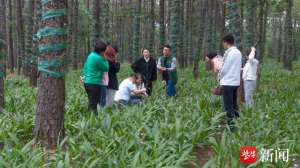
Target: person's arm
(226, 65)
(114, 67)
(154, 71)
(252, 55)
(103, 64)
(159, 67)
(173, 65)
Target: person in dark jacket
(114, 67)
(147, 67)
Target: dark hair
(143, 49)
(167, 46)
(229, 39)
(247, 52)
(211, 54)
(100, 46)
(136, 75)
(115, 47)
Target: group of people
(229, 71)
(101, 83)
(100, 76)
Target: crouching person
(128, 92)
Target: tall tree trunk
(288, 57)
(49, 121)
(20, 34)
(96, 28)
(152, 30)
(75, 25)
(107, 21)
(3, 50)
(250, 23)
(10, 37)
(137, 26)
(235, 23)
(29, 59)
(162, 25)
(174, 27)
(201, 29)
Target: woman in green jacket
(94, 68)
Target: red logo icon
(248, 154)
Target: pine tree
(49, 121)
(174, 26)
(20, 34)
(288, 51)
(136, 29)
(2, 50)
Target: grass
(161, 133)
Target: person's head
(100, 47)
(166, 50)
(247, 53)
(111, 52)
(136, 78)
(211, 55)
(228, 41)
(146, 53)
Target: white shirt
(125, 89)
(230, 73)
(147, 59)
(250, 68)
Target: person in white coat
(250, 76)
(230, 76)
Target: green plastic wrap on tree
(44, 2)
(46, 48)
(54, 13)
(47, 67)
(2, 74)
(50, 31)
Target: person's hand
(82, 79)
(163, 69)
(253, 49)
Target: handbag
(218, 91)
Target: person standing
(94, 68)
(167, 65)
(114, 67)
(147, 67)
(250, 76)
(230, 75)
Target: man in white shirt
(230, 76)
(250, 75)
(128, 89)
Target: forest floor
(176, 132)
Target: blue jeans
(132, 101)
(170, 88)
(102, 100)
(249, 87)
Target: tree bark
(10, 37)
(2, 51)
(30, 59)
(162, 27)
(49, 121)
(288, 57)
(20, 34)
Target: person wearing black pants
(230, 77)
(94, 69)
(230, 102)
(94, 92)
